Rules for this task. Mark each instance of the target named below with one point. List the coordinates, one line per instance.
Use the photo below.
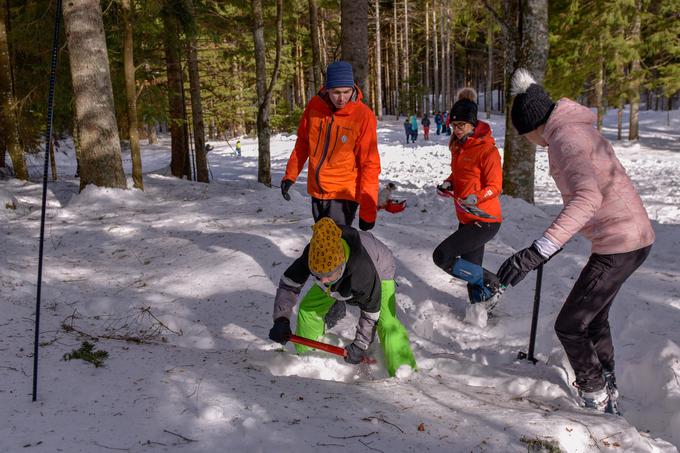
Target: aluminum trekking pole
(534, 319)
(336, 350)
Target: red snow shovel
(336, 350)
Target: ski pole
(336, 350)
(534, 319)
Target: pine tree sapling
(87, 353)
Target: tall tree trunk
(488, 92)
(300, 71)
(528, 46)
(100, 162)
(297, 91)
(131, 94)
(444, 67)
(450, 62)
(378, 63)
(76, 142)
(407, 60)
(316, 52)
(635, 73)
(8, 118)
(389, 105)
(264, 93)
(151, 134)
(322, 37)
(396, 62)
(619, 120)
(435, 40)
(427, 56)
(179, 141)
(354, 31)
(202, 173)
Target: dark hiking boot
(598, 399)
(613, 391)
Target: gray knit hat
(532, 105)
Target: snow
(193, 268)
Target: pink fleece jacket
(600, 200)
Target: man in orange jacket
(338, 135)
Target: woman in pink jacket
(601, 203)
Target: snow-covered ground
(193, 268)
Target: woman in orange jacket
(474, 185)
(338, 136)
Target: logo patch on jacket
(343, 139)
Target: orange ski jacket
(476, 169)
(342, 149)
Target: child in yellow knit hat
(349, 266)
(326, 252)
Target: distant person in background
(338, 136)
(238, 148)
(475, 184)
(426, 127)
(407, 129)
(438, 121)
(447, 123)
(414, 128)
(601, 203)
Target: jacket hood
(482, 130)
(481, 134)
(323, 103)
(568, 112)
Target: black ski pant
(467, 242)
(341, 211)
(583, 323)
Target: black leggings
(341, 211)
(583, 323)
(467, 242)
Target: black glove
(281, 331)
(364, 225)
(515, 268)
(445, 188)
(354, 354)
(285, 187)
(336, 313)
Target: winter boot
(490, 295)
(337, 311)
(598, 399)
(474, 275)
(613, 391)
(492, 301)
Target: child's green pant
(392, 333)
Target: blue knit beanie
(339, 74)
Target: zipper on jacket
(317, 141)
(323, 154)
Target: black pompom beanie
(465, 108)
(531, 108)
